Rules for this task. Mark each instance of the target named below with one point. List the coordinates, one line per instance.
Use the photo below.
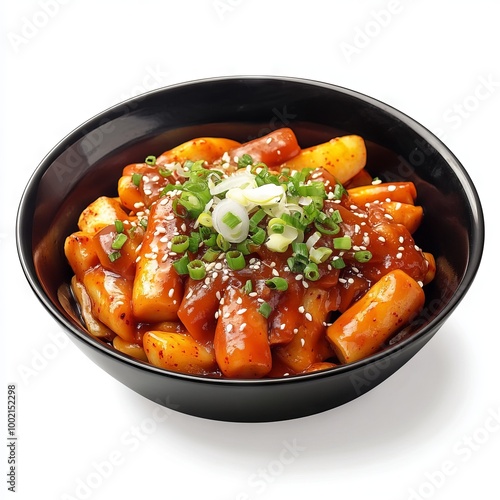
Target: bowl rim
(474, 259)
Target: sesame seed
(242, 326)
(275, 273)
(239, 300)
(189, 294)
(252, 294)
(268, 140)
(342, 280)
(301, 309)
(309, 317)
(376, 181)
(388, 216)
(148, 192)
(226, 315)
(282, 327)
(305, 284)
(392, 187)
(229, 327)
(171, 292)
(401, 239)
(242, 311)
(350, 281)
(401, 248)
(399, 255)
(299, 277)
(302, 342)
(295, 331)
(382, 239)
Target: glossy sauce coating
(215, 326)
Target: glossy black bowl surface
(88, 162)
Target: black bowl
(88, 162)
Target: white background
(430, 431)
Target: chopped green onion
(336, 217)
(194, 242)
(205, 219)
(342, 243)
(119, 226)
(256, 218)
(119, 241)
(277, 283)
(314, 189)
(222, 243)
(338, 263)
(211, 241)
(164, 172)
(265, 309)
(151, 160)
(363, 255)
(258, 236)
(211, 255)
(311, 272)
(231, 220)
(114, 256)
(248, 287)
(295, 265)
(180, 243)
(300, 252)
(235, 260)
(245, 161)
(244, 247)
(319, 255)
(328, 226)
(181, 265)
(276, 226)
(338, 191)
(294, 221)
(144, 223)
(136, 179)
(196, 269)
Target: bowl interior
(88, 163)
